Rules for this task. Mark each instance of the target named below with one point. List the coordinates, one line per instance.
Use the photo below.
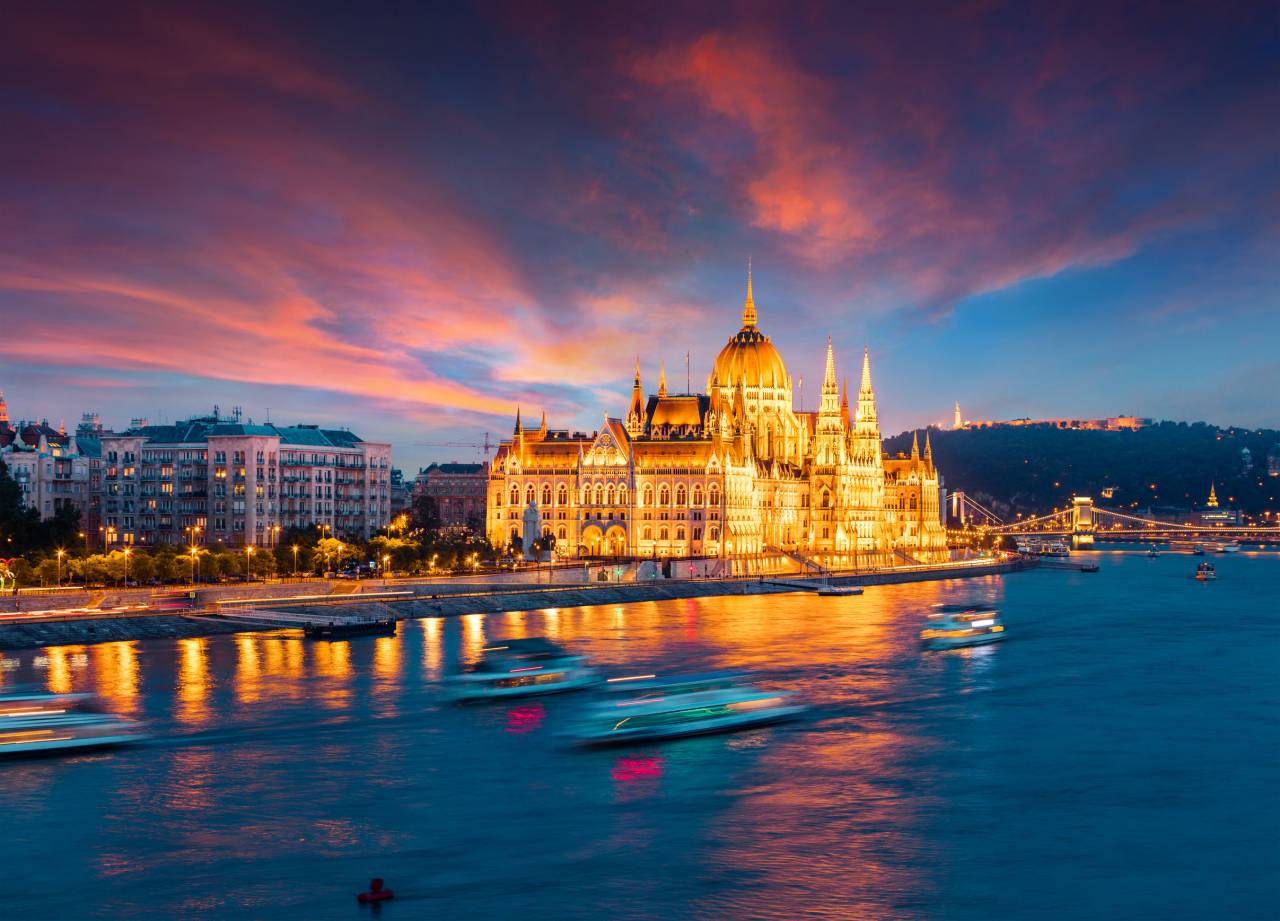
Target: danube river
(1116, 758)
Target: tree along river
(1116, 758)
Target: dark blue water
(1118, 757)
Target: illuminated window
(681, 497)
(697, 495)
(664, 495)
(515, 495)
(546, 494)
(562, 496)
(648, 495)
(528, 493)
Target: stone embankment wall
(445, 600)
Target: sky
(413, 221)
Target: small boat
(341, 629)
(1197, 551)
(1153, 553)
(826, 591)
(1205, 572)
(668, 708)
(39, 724)
(1089, 567)
(953, 626)
(522, 668)
(1231, 546)
(1056, 548)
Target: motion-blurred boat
(38, 723)
(1089, 567)
(668, 708)
(953, 626)
(1205, 572)
(1153, 553)
(838, 590)
(341, 629)
(522, 668)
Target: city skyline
(1049, 214)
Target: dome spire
(749, 306)
(662, 378)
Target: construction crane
(481, 447)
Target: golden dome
(749, 357)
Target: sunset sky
(412, 222)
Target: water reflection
(525, 718)
(193, 681)
(432, 648)
(115, 675)
(58, 676)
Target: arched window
(679, 533)
(714, 533)
(609, 494)
(562, 496)
(515, 532)
(826, 499)
(697, 495)
(715, 496)
(528, 493)
(546, 530)
(664, 494)
(913, 502)
(648, 533)
(648, 495)
(586, 495)
(697, 533)
(663, 534)
(599, 494)
(561, 534)
(622, 495)
(546, 494)
(515, 495)
(681, 497)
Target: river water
(1118, 757)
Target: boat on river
(1205, 572)
(651, 708)
(342, 629)
(826, 591)
(35, 723)
(522, 668)
(954, 626)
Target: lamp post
(127, 551)
(295, 561)
(60, 555)
(386, 561)
(248, 552)
(194, 561)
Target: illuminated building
(211, 479)
(53, 469)
(458, 491)
(1110, 424)
(732, 472)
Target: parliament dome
(749, 357)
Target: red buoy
(376, 893)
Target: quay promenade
(243, 608)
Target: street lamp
(194, 562)
(248, 552)
(295, 561)
(127, 551)
(61, 554)
(386, 560)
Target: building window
(679, 533)
(664, 495)
(515, 495)
(680, 495)
(528, 493)
(715, 497)
(562, 495)
(609, 494)
(648, 495)
(546, 494)
(697, 495)
(599, 494)
(648, 533)
(697, 533)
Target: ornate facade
(733, 472)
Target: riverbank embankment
(441, 600)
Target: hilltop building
(1110, 424)
(729, 473)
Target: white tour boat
(37, 723)
(952, 626)
(522, 668)
(666, 708)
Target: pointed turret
(844, 399)
(519, 429)
(1213, 496)
(749, 305)
(830, 389)
(662, 378)
(635, 413)
(542, 428)
(928, 449)
(62, 426)
(915, 445)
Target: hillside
(1034, 469)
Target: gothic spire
(866, 372)
(662, 378)
(519, 428)
(915, 445)
(542, 429)
(928, 449)
(749, 305)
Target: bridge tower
(1082, 525)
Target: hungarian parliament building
(731, 473)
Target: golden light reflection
(432, 650)
(115, 671)
(248, 683)
(386, 660)
(333, 665)
(193, 681)
(472, 636)
(59, 672)
(551, 622)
